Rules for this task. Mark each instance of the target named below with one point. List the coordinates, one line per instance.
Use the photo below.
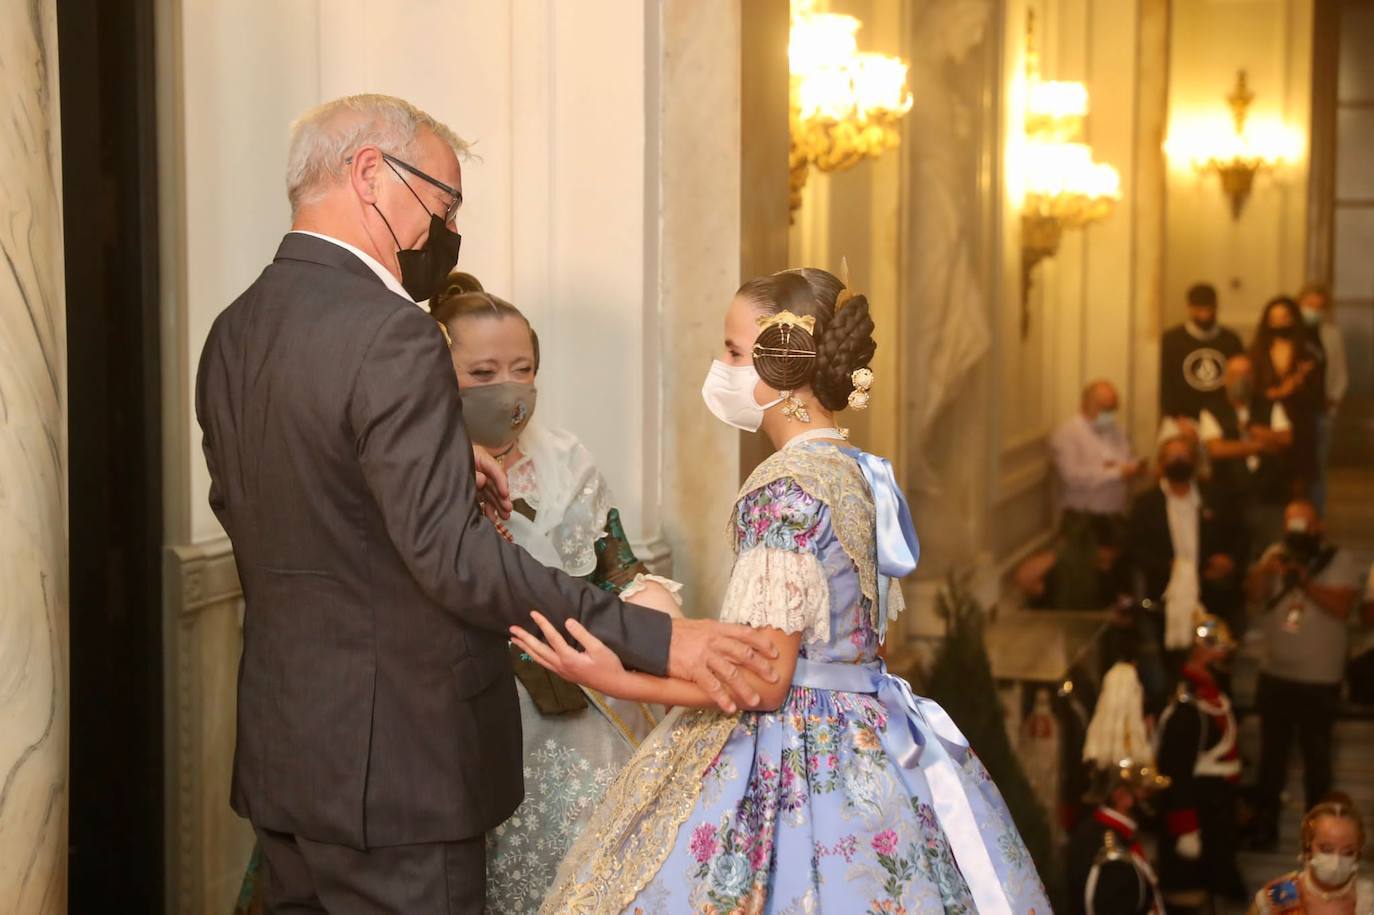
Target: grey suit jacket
(376, 704)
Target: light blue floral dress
(851, 799)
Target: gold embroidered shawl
(830, 476)
(635, 827)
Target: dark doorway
(109, 192)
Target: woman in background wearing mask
(575, 740)
(840, 790)
(1332, 845)
(1289, 369)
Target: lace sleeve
(778, 580)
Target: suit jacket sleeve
(415, 454)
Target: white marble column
(33, 469)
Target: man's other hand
(493, 492)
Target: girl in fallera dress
(838, 790)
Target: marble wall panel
(33, 469)
(698, 271)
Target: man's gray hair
(326, 137)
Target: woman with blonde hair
(575, 740)
(1333, 840)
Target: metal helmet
(1212, 631)
(1141, 779)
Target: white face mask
(1331, 869)
(729, 395)
(1105, 421)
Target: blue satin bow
(920, 732)
(899, 549)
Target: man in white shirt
(1247, 438)
(1315, 302)
(1093, 460)
(1092, 456)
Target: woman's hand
(595, 666)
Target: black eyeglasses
(452, 212)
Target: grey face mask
(496, 414)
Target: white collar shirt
(1183, 521)
(372, 263)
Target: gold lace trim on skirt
(635, 827)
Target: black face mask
(1302, 545)
(1207, 324)
(424, 269)
(1178, 471)
(1283, 333)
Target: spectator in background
(1247, 437)
(1092, 455)
(1315, 302)
(1092, 458)
(1187, 545)
(1192, 358)
(1289, 369)
(1332, 845)
(1308, 589)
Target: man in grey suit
(378, 731)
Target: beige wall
(1100, 298)
(1261, 254)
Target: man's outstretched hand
(712, 655)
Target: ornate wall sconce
(845, 105)
(1236, 151)
(1064, 187)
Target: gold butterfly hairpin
(788, 319)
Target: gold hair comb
(845, 294)
(787, 319)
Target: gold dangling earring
(792, 408)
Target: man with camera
(1307, 589)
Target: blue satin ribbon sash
(921, 734)
(899, 549)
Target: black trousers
(1287, 707)
(443, 878)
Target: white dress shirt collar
(372, 263)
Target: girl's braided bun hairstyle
(788, 358)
